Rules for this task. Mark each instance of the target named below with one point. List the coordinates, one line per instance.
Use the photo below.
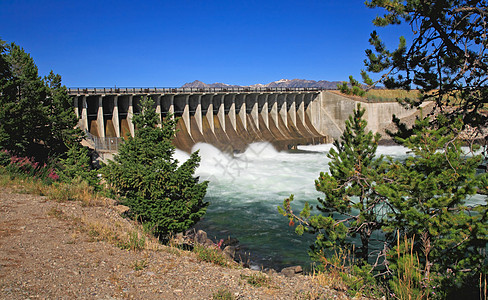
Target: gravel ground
(50, 250)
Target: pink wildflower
(53, 175)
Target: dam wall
(228, 119)
(336, 108)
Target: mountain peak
(294, 83)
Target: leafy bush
(25, 167)
(147, 177)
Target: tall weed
(340, 272)
(409, 281)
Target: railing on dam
(156, 90)
(105, 143)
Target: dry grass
(390, 95)
(78, 190)
(223, 294)
(124, 237)
(55, 212)
(212, 255)
(130, 235)
(139, 265)
(407, 283)
(483, 287)
(331, 279)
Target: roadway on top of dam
(185, 90)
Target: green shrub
(351, 88)
(77, 165)
(4, 158)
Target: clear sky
(168, 43)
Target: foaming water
(244, 192)
(245, 189)
(181, 156)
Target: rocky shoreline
(230, 249)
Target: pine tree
(445, 58)
(353, 88)
(22, 117)
(61, 118)
(428, 193)
(76, 165)
(37, 116)
(166, 198)
(351, 207)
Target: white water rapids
(245, 189)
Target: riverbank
(74, 250)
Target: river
(244, 192)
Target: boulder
(209, 243)
(178, 239)
(201, 237)
(230, 252)
(110, 201)
(121, 209)
(229, 242)
(292, 271)
(270, 272)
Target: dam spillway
(228, 119)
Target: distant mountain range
(285, 83)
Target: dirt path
(48, 251)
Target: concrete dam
(229, 119)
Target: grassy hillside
(389, 95)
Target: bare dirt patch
(57, 250)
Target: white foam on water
(260, 171)
(316, 148)
(394, 151)
(214, 164)
(181, 156)
(246, 188)
(260, 151)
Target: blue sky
(168, 43)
